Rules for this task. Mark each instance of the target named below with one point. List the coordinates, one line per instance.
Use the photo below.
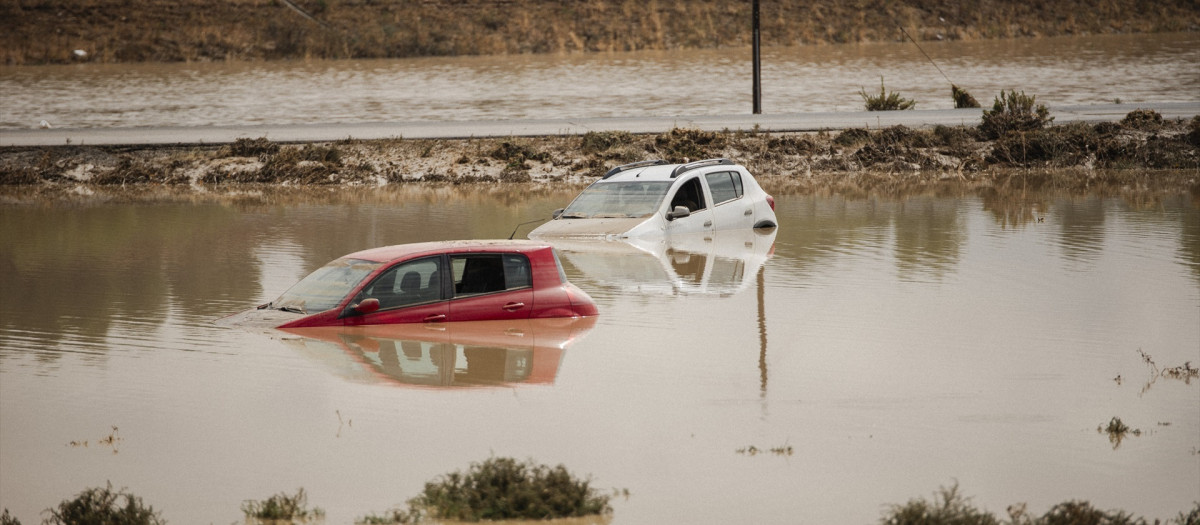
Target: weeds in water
(885, 101)
(282, 507)
(503, 488)
(783, 450)
(949, 507)
(103, 506)
(1117, 430)
(1014, 111)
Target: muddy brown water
(883, 346)
(1059, 71)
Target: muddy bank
(1142, 151)
(60, 31)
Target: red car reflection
(428, 283)
(484, 353)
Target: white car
(654, 198)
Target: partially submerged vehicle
(654, 198)
(429, 282)
(477, 353)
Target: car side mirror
(557, 213)
(679, 212)
(366, 306)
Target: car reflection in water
(473, 353)
(715, 263)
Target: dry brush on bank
(50, 31)
(1141, 150)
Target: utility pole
(757, 63)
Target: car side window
(479, 273)
(690, 195)
(725, 185)
(407, 283)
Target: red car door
(490, 286)
(409, 292)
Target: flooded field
(1059, 71)
(867, 352)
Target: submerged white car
(654, 198)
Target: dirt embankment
(51, 31)
(1142, 151)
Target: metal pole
(757, 63)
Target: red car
(429, 282)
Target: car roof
(403, 251)
(661, 171)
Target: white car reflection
(472, 353)
(715, 263)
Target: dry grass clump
(1014, 112)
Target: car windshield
(618, 199)
(325, 288)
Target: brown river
(868, 351)
(1059, 71)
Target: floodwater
(1059, 71)
(883, 347)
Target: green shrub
(103, 506)
(281, 507)
(1014, 112)
(503, 488)
(885, 101)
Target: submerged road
(543, 127)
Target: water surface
(894, 345)
(1098, 69)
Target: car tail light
(771, 201)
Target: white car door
(691, 194)
(731, 210)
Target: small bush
(244, 147)
(601, 141)
(1143, 119)
(282, 507)
(7, 519)
(962, 99)
(885, 101)
(503, 488)
(948, 507)
(103, 506)
(1014, 112)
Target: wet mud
(1141, 151)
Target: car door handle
(707, 223)
(749, 211)
(436, 318)
(513, 306)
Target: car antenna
(522, 224)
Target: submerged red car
(429, 282)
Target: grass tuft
(885, 101)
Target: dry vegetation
(49, 31)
